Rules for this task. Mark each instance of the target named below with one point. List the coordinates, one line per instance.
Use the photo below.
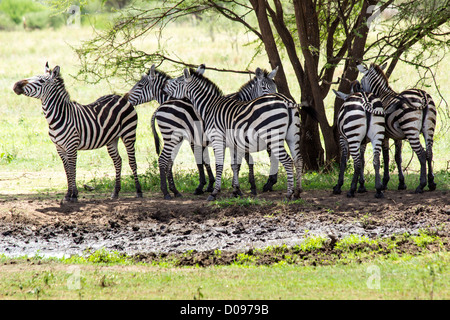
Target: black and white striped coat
(74, 127)
(360, 120)
(408, 114)
(252, 126)
(178, 121)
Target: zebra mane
(163, 74)
(59, 81)
(380, 71)
(208, 82)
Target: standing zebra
(242, 126)
(74, 127)
(360, 118)
(407, 115)
(178, 120)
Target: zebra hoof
(336, 190)
(167, 197)
(139, 195)
(210, 189)
(267, 188)
(362, 190)
(253, 192)
(211, 198)
(198, 192)
(419, 190)
(402, 186)
(432, 186)
(350, 194)
(70, 200)
(178, 195)
(379, 195)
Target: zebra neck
(56, 106)
(386, 94)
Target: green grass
(422, 277)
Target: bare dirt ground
(152, 226)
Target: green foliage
(6, 23)
(425, 238)
(44, 19)
(16, 9)
(350, 242)
(243, 202)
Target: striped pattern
(74, 127)
(408, 114)
(360, 119)
(260, 124)
(178, 121)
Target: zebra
(74, 127)
(360, 118)
(406, 115)
(178, 120)
(243, 126)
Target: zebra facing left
(73, 126)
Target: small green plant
(349, 242)
(424, 239)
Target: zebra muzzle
(18, 87)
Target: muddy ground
(153, 226)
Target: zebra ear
(383, 66)
(47, 68)
(361, 68)
(340, 95)
(273, 73)
(201, 69)
(187, 76)
(55, 72)
(151, 72)
(259, 73)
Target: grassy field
(393, 277)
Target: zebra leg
(398, 160)
(219, 154)
(385, 149)
(163, 161)
(273, 174)
(117, 160)
(170, 179)
(355, 153)
(199, 161)
(343, 165)
(251, 172)
(286, 161)
(207, 164)
(72, 193)
(129, 145)
(429, 153)
(362, 188)
(297, 159)
(236, 159)
(376, 166)
(423, 169)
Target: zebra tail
(310, 111)
(155, 135)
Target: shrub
(16, 9)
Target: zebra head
(38, 86)
(374, 80)
(177, 87)
(260, 85)
(143, 90)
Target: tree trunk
(306, 19)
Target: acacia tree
(317, 36)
